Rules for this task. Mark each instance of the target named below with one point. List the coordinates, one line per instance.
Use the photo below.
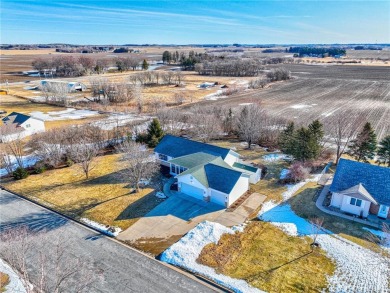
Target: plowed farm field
(318, 92)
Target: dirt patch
(154, 246)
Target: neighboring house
(17, 125)
(204, 171)
(361, 189)
(70, 86)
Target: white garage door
(191, 190)
(218, 198)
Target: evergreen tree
(286, 139)
(145, 65)
(364, 146)
(384, 152)
(154, 133)
(306, 147)
(317, 134)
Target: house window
(182, 169)
(163, 157)
(356, 202)
(173, 168)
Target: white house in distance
(71, 86)
(361, 189)
(17, 125)
(205, 171)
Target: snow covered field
(118, 120)
(15, 284)
(67, 114)
(185, 252)
(28, 161)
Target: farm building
(72, 86)
(361, 189)
(204, 171)
(16, 125)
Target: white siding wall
(239, 189)
(336, 200)
(347, 207)
(35, 126)
(218, 197)
(187, 179)
(231, 159)
(255, 177)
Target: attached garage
(218, 197)
(192, 190)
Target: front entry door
(383, 211)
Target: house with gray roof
(361, 189)
(206, 172)
(17, 125)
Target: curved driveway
(123, 269)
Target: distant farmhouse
(361, 189)
(16, 125)
(71, 86)
(206, 172)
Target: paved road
(123, 269)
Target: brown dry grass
(4, 281)
(104, 197)
(267, 258)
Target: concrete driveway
(180, 213)
(122, 269)
(175, 216)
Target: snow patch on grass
(15, 283)
(110, 231)
(28, 161)
(185, 252)
(274, 157)
(300, 106)
(357, 269)
(67, 114)
(383, 236)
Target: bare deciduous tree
(249, 123)
(316, 226)
(139, 163)
(206, 123)
(58, 270)
(342, 128)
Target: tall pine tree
(383, 153)
(145, 65)
(364, 146)
(286, 139)
(154, 133)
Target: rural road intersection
(123, 269)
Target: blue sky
(194, 22)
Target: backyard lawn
(105, 197)
(269, 259)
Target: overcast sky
(194, 22)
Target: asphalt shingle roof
(244, 167)
(193, 160)
(175, 146)
(16, 118)
(216, 174)
(375, 179)
(221, 178)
